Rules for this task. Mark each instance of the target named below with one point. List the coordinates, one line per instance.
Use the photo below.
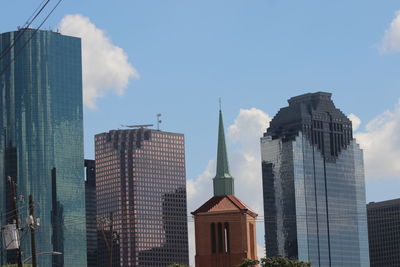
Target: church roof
(222, 157)
(224, 203)
(223, 182)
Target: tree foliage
(177, 265)
(277, 261)
(248, 263)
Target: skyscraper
(91, 212)
(41, 139)
(384, 233)
(225, 228)
(313, 185)
(141, 180)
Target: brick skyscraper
(140, 178)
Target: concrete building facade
(141, 181)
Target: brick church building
(225, 228)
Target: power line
(29, 39)
(28, 23)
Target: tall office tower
(384, 233)
(225, 228)
(141, 197)
(91, 222)
(41, 140)
(313, 185)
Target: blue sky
(254, 53)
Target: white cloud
(245, 166)
(199, 190)
(381, 144)
(245, 161)
(260, 250)
(105, 66)
(248, 127)
(391, 39)
(356, 121)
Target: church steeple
(223, 181)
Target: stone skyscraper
(41, 139)
(141, 180)
(313, 183)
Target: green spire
(223, 181)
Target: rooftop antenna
(139, 126)
(158, 121)
(220, 105)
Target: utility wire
(30, 20)
(29, 39)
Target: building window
(227, 238)
(213, 239)
(220, 239)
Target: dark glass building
(384, 233)
(313, 185)
(140, 179)
(91, 222)
(41, 140)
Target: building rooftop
(224, 203)
(385, 203)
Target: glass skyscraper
(91, 211)
(41, 140)
(141, 180)
(313, 185)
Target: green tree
(279, 261)
(248, 263)
(177, 265)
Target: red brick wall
(239, 236)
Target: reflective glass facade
(313, 182)
(41, 140)
(91, 222)
(140, 178)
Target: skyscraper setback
(141, 180)
(41, 139)
(313, 185)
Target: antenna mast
(158, 121)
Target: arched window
(213, 239)
(220, 239)
(227, 238)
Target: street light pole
(32, 227)
(13, 186)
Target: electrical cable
(29, 39)
(25, 27)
